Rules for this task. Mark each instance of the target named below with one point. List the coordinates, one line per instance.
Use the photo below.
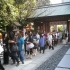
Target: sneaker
(52, 48)
(12, 63)
(17, 64)
(22, 62)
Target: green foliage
(24, 8)
(15, 10)
(60, 28)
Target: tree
(8, 13)
(24, 8)
(15, 10)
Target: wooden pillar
(68, 26)
(44, 26)
(47, 27)
(35, 26)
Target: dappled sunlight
(28, 62)
(55, 1)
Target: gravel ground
(53, 61)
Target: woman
(50, 41)
(6, 49)
(26, 34)
(38, 37)
(20, 47)
(42, 43)
(29, 50)
(13, 49)
(34, 37)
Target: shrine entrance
(58, 26)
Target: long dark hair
(19, 36)
(11, 35)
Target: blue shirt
(42, 42)
(20, 43)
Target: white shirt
(50, 38)
(38, 36)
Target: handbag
(14, 48)
(5, 49)
(31, 45)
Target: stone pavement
(64, 64)
(36, 61)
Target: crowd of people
(15, 45)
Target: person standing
(38, 37)
(11, 36)
(29, 50)
(50, 41)
(42, 43)
(25, 38)
(6, 49)
(20, 44)
(66, 35)
(34, 37)
(1, 50)
(1, 66)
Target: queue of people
(15, 45)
